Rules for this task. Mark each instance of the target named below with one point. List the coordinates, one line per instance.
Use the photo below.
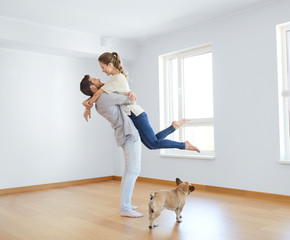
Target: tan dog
(171, 199)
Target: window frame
(166, 101)
(283, 90)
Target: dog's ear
(178, 181)
(191, 188)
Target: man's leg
(132, 154)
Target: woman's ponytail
(118, 64)
(113, 58)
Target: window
(283, 54)
(186, 91)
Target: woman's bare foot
(189, 146)
(178, 124)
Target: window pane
(288, 57)
(174, 90)
(174, 100)
(288, 80)
(198, 89)
(201, 136)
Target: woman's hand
(87, 114)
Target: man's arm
(119, 99)
(87, 114)
(113, 99)
(132, 97)
(88, 104)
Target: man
(126, 135)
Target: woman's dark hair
(85, 86)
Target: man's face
(96, 84)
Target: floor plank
(91, 211)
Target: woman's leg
(148, 137)
(164, 133)
(132, 154)
(175, 125)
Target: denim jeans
(148, 137)
(132, 154)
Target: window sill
(186, 154)
(284, 161)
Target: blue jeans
(148, 137)
(132, 154)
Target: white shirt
(119, 84)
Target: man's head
(90, 85)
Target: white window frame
(283, 91)
(166, 101)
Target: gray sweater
(108, 105)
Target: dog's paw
(155, 224)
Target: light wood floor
(91, 211)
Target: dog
(171, 199)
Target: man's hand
(87, 114)
(132, 96)
(87, 104)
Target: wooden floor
(91, 211)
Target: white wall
(17, 34)
(44, 138)
(245, 101)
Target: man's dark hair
(85, 86)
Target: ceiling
(131, 20)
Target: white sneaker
(131, 213)
(134, 207)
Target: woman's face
(108, 69)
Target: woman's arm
(95, 97)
